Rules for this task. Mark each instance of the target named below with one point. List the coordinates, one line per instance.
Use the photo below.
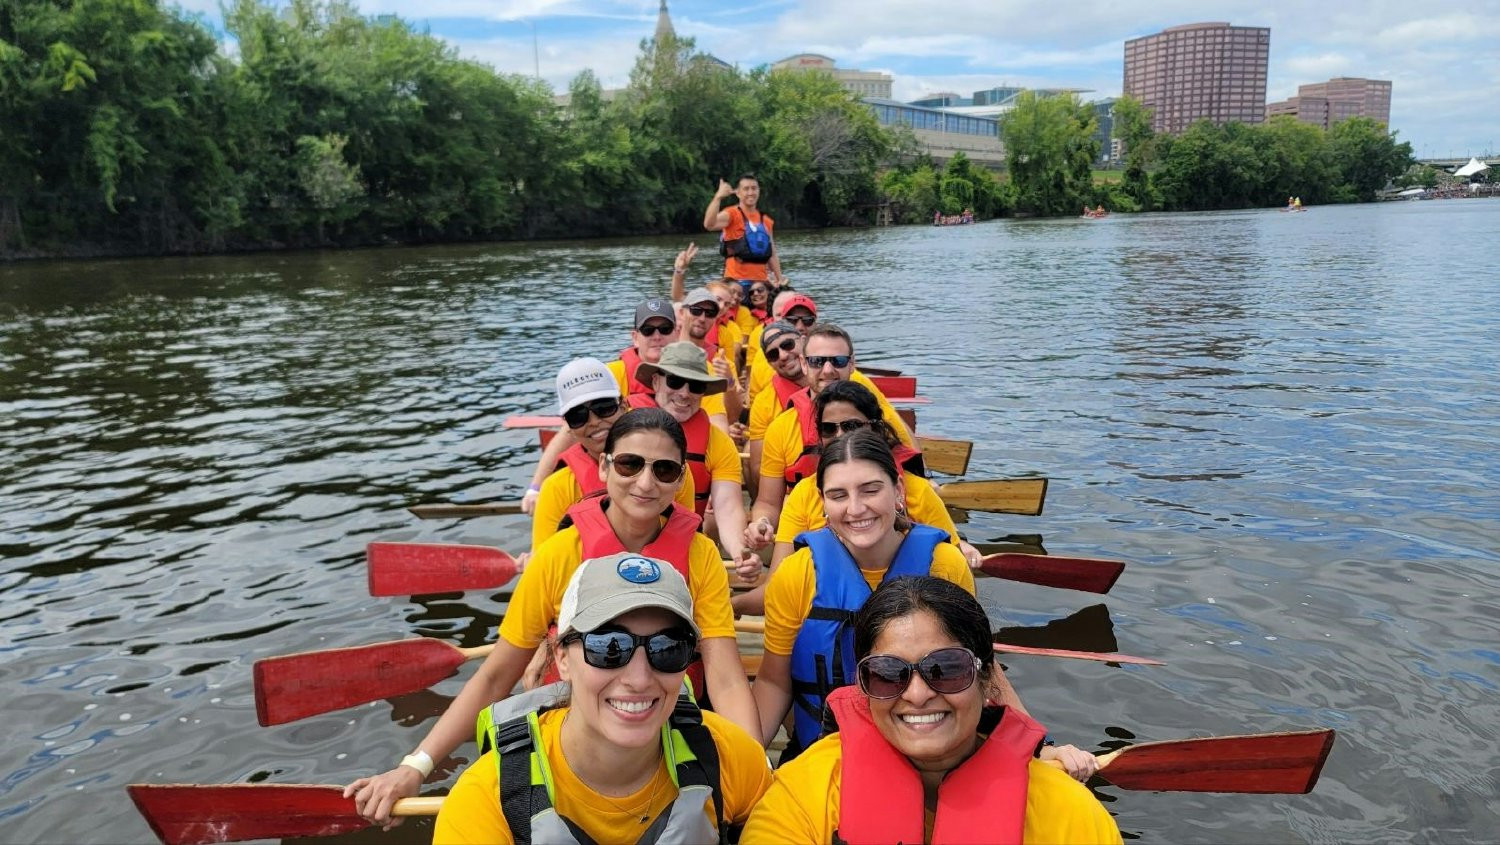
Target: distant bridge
(1451, 163)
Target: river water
(1286, 424)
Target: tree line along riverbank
(134, 128)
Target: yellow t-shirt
(803, 804)
(471, 813)
(561, 491)
(887, 412)
(763, 408)
(730, 335)
(760, 375)
(711, 404)
(802, 509)
(745, 320)
(789, 594)
(723, 458)
(538, 596)
(782, 445)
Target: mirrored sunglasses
(667, 651)
(945, 671)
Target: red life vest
(982, 801)
(696, 429)
(585, 468)
(673, 545)
(761, 315)
(806, 464)
(785, 388)
(632, 361)
(909, 459)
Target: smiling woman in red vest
(644, 464)
(919, 755)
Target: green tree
(1132, 125)
(1049, 152)
(1367, 157)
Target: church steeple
(664, 29)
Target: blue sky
(1443, 59)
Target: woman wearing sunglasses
(617, 752)
(589, 400)
(643, 465)
(842, 408)
(760, 303)
(919, 755)
(816, 590)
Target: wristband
(532, 488)
(419, 760)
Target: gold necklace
(645, 810)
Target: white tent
(1474, 166)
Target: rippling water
(1286, 424)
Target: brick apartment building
(1199, 71)
(1326, 103)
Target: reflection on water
(1284, 423)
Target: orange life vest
(981, 801)
(696, 429)
(632, 361)
(807, 418)
(585, 468)
(673, 545)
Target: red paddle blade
(1090, 575)
(896, 387)
(411, 569)
(192, 815)
(300, 685)
(545, 435)
(1100, 656)
(532, 422)
(1282, 763)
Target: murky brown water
(1286, 424)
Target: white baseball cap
(584, 380)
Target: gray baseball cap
(604, 588)
(685, 360)
(654, 307)
(701, 295)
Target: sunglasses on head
(830, 430)
(676, 383)
(576, 416)
(774, 353)
(817, 361)
(656, 328)
(945, 671)
(703, 310)
(801, 321)
(667, 651)
(630, 466)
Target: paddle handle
(1104, 760)
(418, 806)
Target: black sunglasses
(702, 310)
(945, 671)
(817, 361)
(630, 466)
(801, 321)
(578, 415)
(830, 430)
(694, 387)
(761, 291)
(774, 353)
(667, 651)
(656, 328)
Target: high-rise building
(864, 83)
(1199, 71)
(1326, 103)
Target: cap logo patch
(639, 570)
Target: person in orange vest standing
(746, 239)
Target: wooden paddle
(878, 371)
(186, 814)
(945, 455)
(447, 511)
(1279, 763)
(410, 569)
(1098, 656)
(895, 387)
(1091, 575)
(532, 422)
(1022, 496)
(296, 686)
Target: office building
(1200, 71)
(863, 83)
(1326, 103)
(944, 131)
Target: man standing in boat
(745, 238)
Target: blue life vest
(823, 653)
(754, 247)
